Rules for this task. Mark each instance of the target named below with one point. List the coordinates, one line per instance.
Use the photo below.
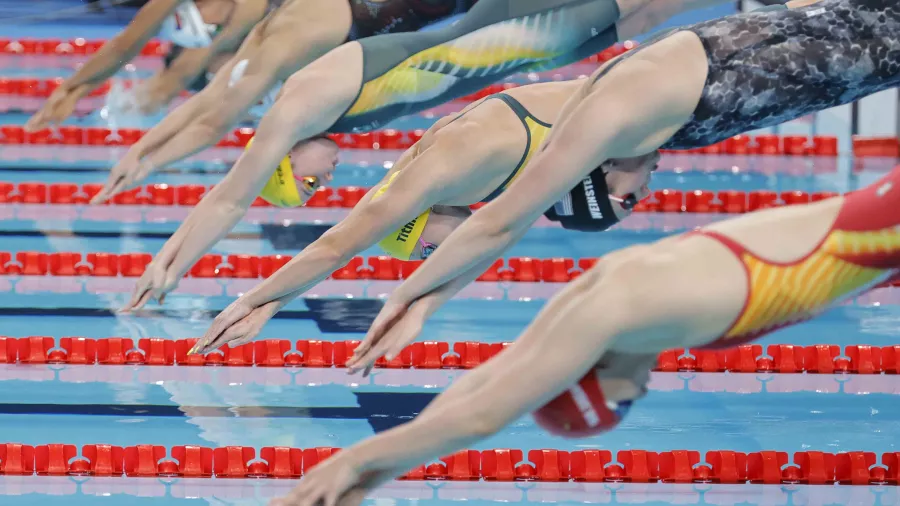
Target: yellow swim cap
(281, 189)
(401, 243)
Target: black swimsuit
(372, 17)
(769, 67)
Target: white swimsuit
(186, 28)
(262, 107)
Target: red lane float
(68, 47)
(791, 145)
(661, 201)
(748, 358)
(545, 465)
(379, 268)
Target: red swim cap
(582, 410)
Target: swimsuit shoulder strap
(524, 115)
(736, 247)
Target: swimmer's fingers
(114, 186)
(139, 302)
(140, 295)
(218, 333)
(404, 329)
(57, 108)
(231, 336)
(122, 177)
(366, 361)
(144, 169)
(389, 315)
(44, 117)
(37, 122)
(209, 343)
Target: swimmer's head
(597, 403)
(420, 237)
(309, 164)
(193, 23)
(628, 180)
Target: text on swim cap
(591, 197)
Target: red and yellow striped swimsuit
(861, 251)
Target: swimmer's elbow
(330, 249)
(229, 210)
(500, 229)
(210, 128)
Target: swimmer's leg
(405, 72)
(540, 29)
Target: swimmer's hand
(123, 176)
(154, 284)
(57, 108)
(396, 326)
(154, 94)
(238, 324)
(335, 482)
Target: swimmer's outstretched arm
(268, 61)
(179, 135)
(275, 56)
(425, 178)
(105, 63)
(133, 166)
(225, 205)
(563, 343)
(193, 62)
(637, 116)
(217, 212)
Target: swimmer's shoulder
(544, 101)
(488, 132)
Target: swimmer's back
(405, 73)
(780, 64)
(377, 17)
(781, 266)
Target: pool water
(305, 408)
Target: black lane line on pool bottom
(330, 315)
(66, 234)
(381, 409)
(82, 170)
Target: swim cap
(582, 410)
(401, 243)
(185, 27)
(259, 109)
(588, 207)
(281, 188)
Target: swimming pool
(303, 407)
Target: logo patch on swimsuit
(883, 189)
(591, 196)
(406, 230)
(815, 12)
